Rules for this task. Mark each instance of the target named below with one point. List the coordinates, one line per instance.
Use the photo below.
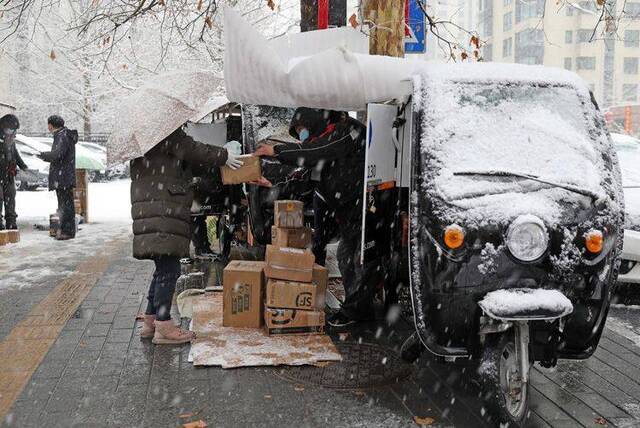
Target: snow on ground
(624, 329)
(108, 202)
(39, 259)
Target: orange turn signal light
(594, 241)
(453, 236)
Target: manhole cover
(363, 366)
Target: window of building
(630, 92)
(632, 10)
(586, 63)
(568, 9)
(507, 47)
(526, 9)
(583, 36)
(631, 66)
(568, 37)
(507, 22)
(632, 39)
(529, 46)
(568, 63)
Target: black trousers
(359, 279)
(199, 235)
(162, 287)
(66, 211)
(325, 228)
(8, 199)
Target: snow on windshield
(524, 128)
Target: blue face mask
(304, 134)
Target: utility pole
(322, 14)
(387, 22)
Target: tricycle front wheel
(506, 395)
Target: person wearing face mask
(10, 161)
(336, 149)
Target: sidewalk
(99, 373)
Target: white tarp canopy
(6, 108)
(326, 69)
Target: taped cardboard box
(293, 321)
(288, 214)
(293, 238)
(291, 264)
(249, 171)
(243, 284)
(4, 237)
(298, 295)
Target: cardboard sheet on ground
(231, 347)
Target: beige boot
(167, 333)
(148, 328)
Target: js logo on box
(304, 299)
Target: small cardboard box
(250, 171)
(298, 295)
(13, 236)
(291, 264)
(294, 238)
(4, 237)
(243, 284)
(292, 321)
(288, 214)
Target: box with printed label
(298, 295)
(288, 214)
(243, 284)
(294, 238)
(293, 321)
(292, 264)
(249, 171)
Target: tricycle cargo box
(243, 283)
(292, 264)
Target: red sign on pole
(323, 14)
(628, 126)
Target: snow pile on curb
(525, 300)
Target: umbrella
(87, 161)
(157, 109)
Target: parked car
(628, 149)
(38, 173)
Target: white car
(628, 149)
(38, 173)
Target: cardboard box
(293, 321)
(13, 236)
(288, 214)
(291, 264)
(294, 238)
(243, 284)
(298, 295)
(4, 237)
(250, 171)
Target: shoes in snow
(63, 237)
(167, 333)
(12, 226)
(148, 328)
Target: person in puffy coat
(161, 198)
(10, 161)
(62, 173)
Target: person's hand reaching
(262, 182)
(264, 150)
(233, 161)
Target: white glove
(233, 161)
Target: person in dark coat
(10, 161)
(62, 174)
(337, 149)
(161, 199)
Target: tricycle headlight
(527, 238)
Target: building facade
(565, 35)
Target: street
(95, 371)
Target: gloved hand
(234, 149)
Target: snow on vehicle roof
(475, 120)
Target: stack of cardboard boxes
(295, 286)
(9, 237)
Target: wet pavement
(99, 373)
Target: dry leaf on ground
(600, 421)
(196, 424)
(299, 387)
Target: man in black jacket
(336, 149)
(62, 173)
(10, 161)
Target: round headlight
(527, 238)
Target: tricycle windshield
(540, 130)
